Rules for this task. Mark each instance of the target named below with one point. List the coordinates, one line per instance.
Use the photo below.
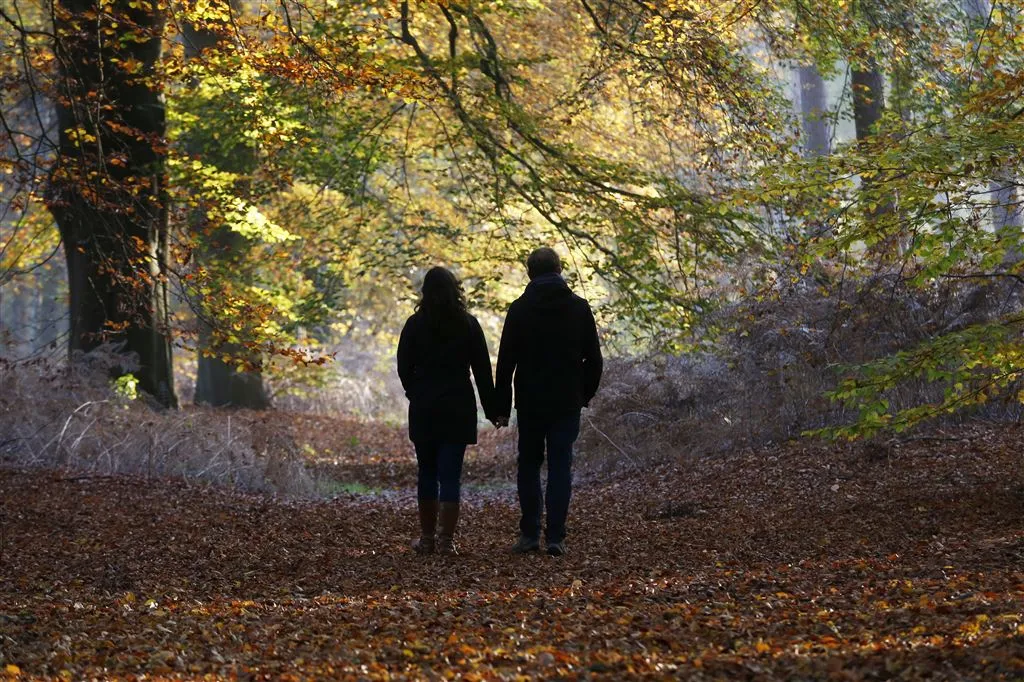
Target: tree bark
(219, 383)
(48, 316)
(20, 320)
(107, 189)
(1005, 212)
(813, 110)
(868, 105)
(868, 98)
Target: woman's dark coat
(434, 360)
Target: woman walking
(439, 345)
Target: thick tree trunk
(813, 111)
(868, 104)
(220, 383)
(107, 191)
(868, 98)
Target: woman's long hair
(442, 301)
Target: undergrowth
(765, 376)
(70, 416)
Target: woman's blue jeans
(440, 471)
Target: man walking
(550, 345)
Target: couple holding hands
(549, 349)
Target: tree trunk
(813, 111)
(19, 320)
(220, 383)
(107, 190)
(868, 104)
(868, 98)
(1005, 212)
(48, 316)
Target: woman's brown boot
(448, 520)
(428, 522)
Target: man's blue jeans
(440, 471)
(558, 433)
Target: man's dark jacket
(434, 360)
(550, 345)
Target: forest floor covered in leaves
(897, 561)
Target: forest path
(797, 562)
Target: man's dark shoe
(556, 548)
(526, 545)
(424, 545)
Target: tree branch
(987, 275)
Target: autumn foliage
(794, 220)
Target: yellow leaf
(12, 669)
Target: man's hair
(543, 261)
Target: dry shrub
(359, 382)
(764, 378)
(68, 416)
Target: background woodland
(789, 218)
